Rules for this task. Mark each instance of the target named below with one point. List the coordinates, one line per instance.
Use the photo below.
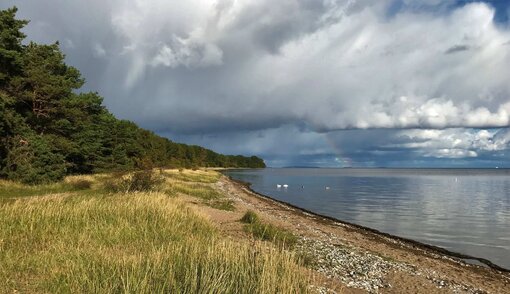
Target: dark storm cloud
(203, 65)
(277, 78)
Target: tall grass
(131, 243)
(267, 232)
(9, 190)
(202, 191)
(206, 193)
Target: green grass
(267, 232)
(222, 204)
(91, 241)
(10, 190)
(250, 217)
(201, 191)
(205, 192)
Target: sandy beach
(351, 259)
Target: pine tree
(47, 130)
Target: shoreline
(349, 258)
(410, 242)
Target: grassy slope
(71, 239)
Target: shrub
(145, 180)
(250, 217)
(139, 181)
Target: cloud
(279, 142)
(456, 49)
(187, 53)
(454, 143)
(333, 64)
(99, 51)
(452, 153)
(215, 71)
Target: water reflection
(466, 211)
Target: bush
(250, 217)
(139, 181)
(146, 180)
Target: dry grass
(70, 242)
(197, 176)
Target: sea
(461, 210)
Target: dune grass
(222, 204)
(198, 185)
(198, 190)
(10, 189)
(198, 176)
(143, 242)
(267, 232)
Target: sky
(329, 83)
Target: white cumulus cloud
(455, 143)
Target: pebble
(364, 270)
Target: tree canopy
(48, 129)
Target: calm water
(466, 211)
